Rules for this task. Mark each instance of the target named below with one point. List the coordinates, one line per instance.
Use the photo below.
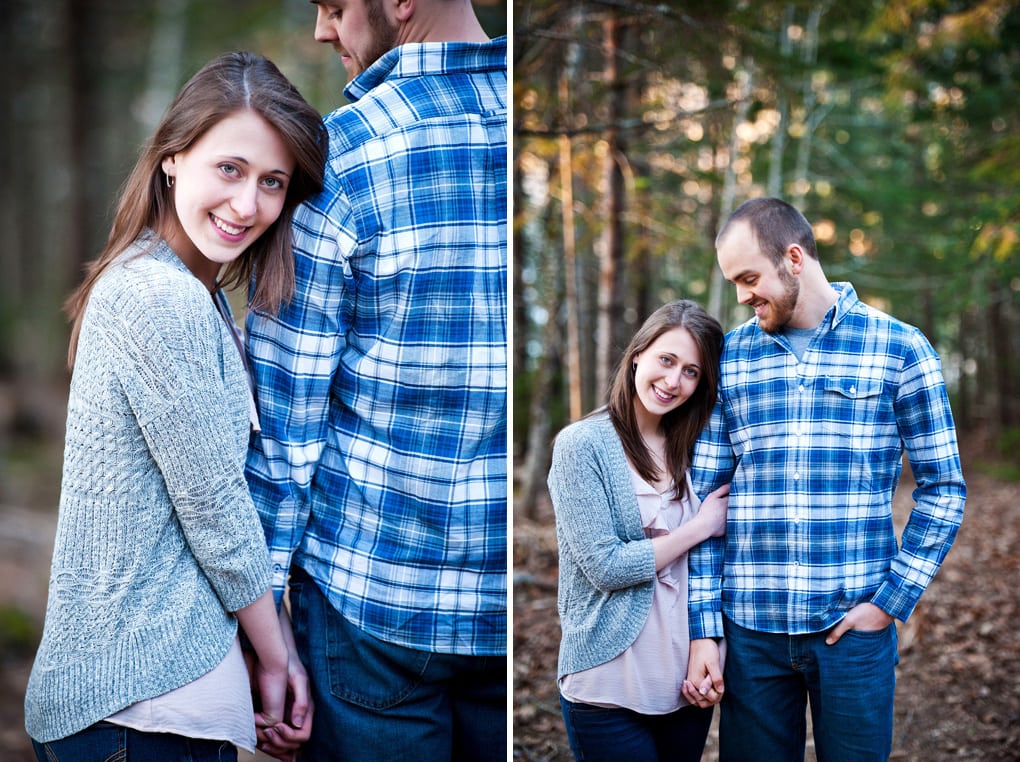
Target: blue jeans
(769, 679)
(600, 734)
(375, 700)
(106, 742)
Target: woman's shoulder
(594, 426)
(592, 434)
(152, 279)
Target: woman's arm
(270, 671)
(284, 740)
(710, 521)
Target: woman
(626, 516)
(159, 553)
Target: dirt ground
(958, 682)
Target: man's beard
(385, 35)
(780, 311)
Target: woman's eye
(229, 169)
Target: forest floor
(958, 681)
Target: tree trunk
(778, 143)
(519, 358)
(566, 178)
(609, 245)
(538, 450)
(717, 284)
(812, 116)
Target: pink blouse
(648, 676)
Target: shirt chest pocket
(852, 407)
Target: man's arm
(293, 356)
(926, 426)
(713, 466)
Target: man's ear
(404, 9)
(795, 256)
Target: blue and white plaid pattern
(381, 466)
(813, 450)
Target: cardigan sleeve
(596, 510)
(167, 339)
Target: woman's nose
(245, 201)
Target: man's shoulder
(881, 327)
(745, 332)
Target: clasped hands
(704, 684)
(283, 708)
(282, 701)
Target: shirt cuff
(706, 624)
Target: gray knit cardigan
(157, 536)
(606, 565)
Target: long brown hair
(682, 425)
(232, 82)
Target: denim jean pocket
(367, 671)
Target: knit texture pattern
(606, 566)
(157, 537)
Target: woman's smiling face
(229, 186)
(667, 373)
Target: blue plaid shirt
(381, 466)
(813, 449)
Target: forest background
(895, 127)
(82, 85)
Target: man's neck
(442, 21)
(816, 298)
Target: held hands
(282, 738)
(704, 684)
(284, 708)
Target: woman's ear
(169, 166)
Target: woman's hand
(270, 682)
(283, 740)
(713, 511)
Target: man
(820, 396)
(380, 472)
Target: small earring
(169, 181)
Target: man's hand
(283, 739)
(864, 616)
(704, 684)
